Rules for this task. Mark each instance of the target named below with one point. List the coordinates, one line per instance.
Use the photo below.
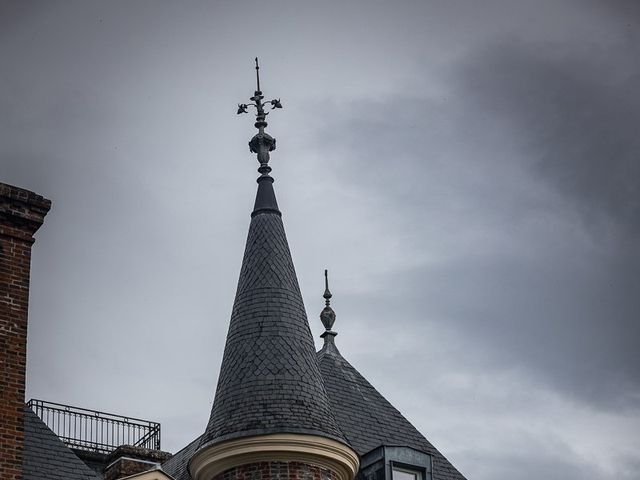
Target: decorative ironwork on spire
(262, 143)
(328, 316)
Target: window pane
(404, 475)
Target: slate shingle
(269, 379)
(46, 457)
(177, 465)
(366, 418)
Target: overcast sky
(468, 171)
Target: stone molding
(212, 460)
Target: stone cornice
(22, 212)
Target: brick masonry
(124, 467)
(128, 460)
(21, 214)
(277, 471)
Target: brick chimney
(21, 214)
(129, 460)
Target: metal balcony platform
(94, 431)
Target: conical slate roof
(367, 419)
(269, 379)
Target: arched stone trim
(208, 462)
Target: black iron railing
(96, 431)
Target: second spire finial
(328, 316)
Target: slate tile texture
(269, 379)
(272, 380)
(46, 457)
(366, 418)
(177, 465)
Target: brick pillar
(21, 214)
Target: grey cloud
(577, 108)
(538, 286)
(461, 211)
(561, 467)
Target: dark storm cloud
(546, 281)
(577, 108)
(476, 207)
(560, 467)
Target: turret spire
(269, 382)
(271, 415)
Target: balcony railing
(95, 431)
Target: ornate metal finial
(327, 294)
(262, 143)
(328, 316)
(257, 75)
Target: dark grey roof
(366, 418)
(46, 457)
(177, 465)
(269, 379)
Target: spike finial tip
(257, 76)
(327, 293)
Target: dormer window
(395, 463)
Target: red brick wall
(277, 471)
(21, 214)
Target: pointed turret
(270, 402)
(367, 419)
